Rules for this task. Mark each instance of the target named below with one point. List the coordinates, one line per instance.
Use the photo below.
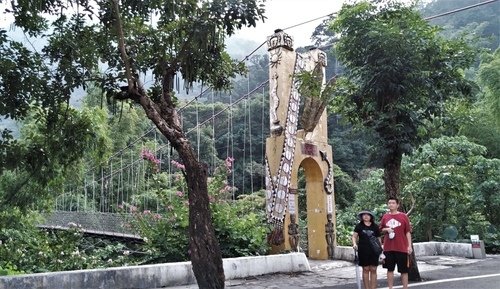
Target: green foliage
(315, 95)
(47, 155)
(23, 81)
(369, 196)
(311, 84)
(9, 270)
(166, 232)
(344, 187)
(346, 220)
(452, 184)
(480, 122)
(371, 191)
(481, 23)
(488, 75)
(481, 128)
(239, 225)
(27, 249)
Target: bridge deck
(96, 223)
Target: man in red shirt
(397, 242)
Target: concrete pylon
(288, 148)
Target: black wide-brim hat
(360, 214)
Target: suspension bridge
(105, 202)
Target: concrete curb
(421, 249)
(154, 276)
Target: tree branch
(163, 115)
(132, 82)
(168, 128)
(408, 213)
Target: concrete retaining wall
(421, 249)
(242, 267)
(443, 248)
(154, 276)
(344, 253)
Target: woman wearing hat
(365, 230)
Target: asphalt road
(476, 282)
(481, 275)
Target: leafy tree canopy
(488, 75)
(453, 184)
(399, 71)
(43, 157)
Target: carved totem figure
(293, 233)
(330, 236)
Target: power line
(308, 21)
(460, 9)
(429, 17)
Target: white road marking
(446, 280)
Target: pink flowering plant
(228, 162)
(150, 157)
(177, 165)
(160, 216)
(240, 226)
(219, 188)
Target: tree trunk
(392, 173)
(429, 233)
(205, 254)
(413, 274)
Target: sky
(279, 13)
(285, 13)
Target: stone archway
(314, 208)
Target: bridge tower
(298, 139)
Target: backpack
(374, 243)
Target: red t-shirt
(400, 223)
